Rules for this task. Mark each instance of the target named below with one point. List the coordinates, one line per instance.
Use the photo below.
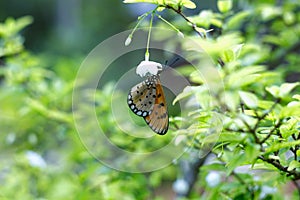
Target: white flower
(148, 68)
(213, 179)
(35, 159)
(180, 186)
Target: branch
(271, 132)
(266, 113)
(178, 11)
(190, 169)
(194, 26)
(295, 174)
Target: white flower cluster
(146, 68)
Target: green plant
(258, 109)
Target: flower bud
(180, 34)
(128, 41)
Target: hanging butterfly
(147, 99)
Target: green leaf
(228, 56)
(12, 26)
(251, 152)
(52, 114)
(214, 166)
(249, 99)
(298, 152)
(188, 91)
(265, 104)
(286, 88)
(224, 5)
(236, 160)
(296, 96)
(290, 110)
(231, 99)
(293, 165)
(289, 128)
(282, 145)
(188, 4)
(196, 77)
(273, 90)
(282, 90)
(237, 50)
(231, 137)
(245, 76)
(237, 20)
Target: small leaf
(245, 76)
(289, 128)
(231, 100)
(188, 4)
(188, 91)
(278, 146)
(296, 96)
(273, 90)
(237, 19)
(293, 165)
(228, 56)
(237, 50)
(288, 111)
(298, 152)
(249, 99)
(224, 5)
(235, 161)
(286, 88)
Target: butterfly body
(147, 100)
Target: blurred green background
(43, 44)
(41, 154)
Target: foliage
(259, 111)
(254, 48)
(42, 156)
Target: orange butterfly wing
(158, 120)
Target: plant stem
(295, 174)
(147, 54)
(140, 19)
(171, 25)
(194, 26)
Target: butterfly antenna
(166, 63)
(176, 59)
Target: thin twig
(194, 26)
(295, 174)
(271, 132)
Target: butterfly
(147, 100)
